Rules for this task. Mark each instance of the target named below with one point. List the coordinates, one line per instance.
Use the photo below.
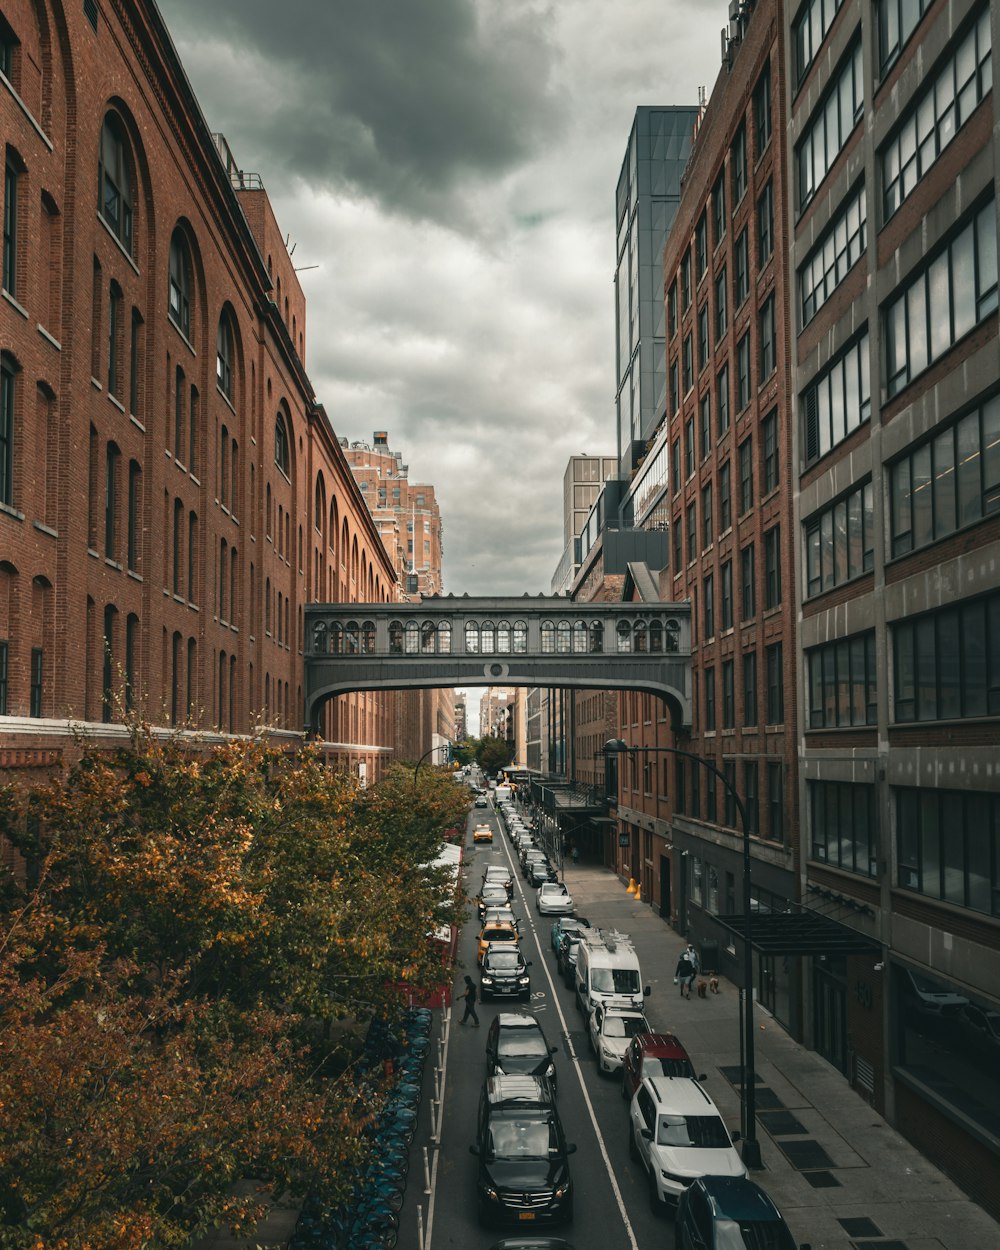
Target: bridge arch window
(396, 637)
(548, 633)
(336, 638)
(596, 637)
(656, 636)
(672, 635)
(444, 638)
(503, 637)
(488, 637)
(640, 638)
(368, 637)
(472, 637)
(624, 636)
(580, 637)
(319, 638)
(520, 637)
(412, 638)
(428, 637)
(352, 638)
(564, 640)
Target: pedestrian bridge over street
(543, 641)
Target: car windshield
(494, 891)
(503, 960)
(624, 1026)
(523, 1139)
(752, 1236)
(704, 1131)
(522, 1044)
(615, 980)
(497, 935)
(672, 1067)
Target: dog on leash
(702, 988)
(713, 983)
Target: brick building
(171, 490)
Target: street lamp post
(751, 1146)
(441, 746)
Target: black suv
(523, 1169)
(504, 973)
(729, 1213)
(516, 1044)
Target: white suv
(677, 1132)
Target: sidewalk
(840, 1174)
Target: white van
(607, 967)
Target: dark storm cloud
(399, 100)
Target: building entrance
(665, 886)
(830, 1009)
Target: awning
(802, 932)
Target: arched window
(444, 638)
(624, 636)
(428, 637)
(13, 169)
(548, 637)
(639, 638)
(112, 462)
(656, 636)
(580, 637)
(132, 660)
(368, 637)
(267, 606)
(319, 638)
(520, 637)
(396, 637)
(412, 638)
(596, 637)
(319, 511)
(179, 286)
(487, 637)
(8, 374)
(472, 637)
(282, 452)
(564, 637)
(114, 196)
(672, 635)
(336, 638)
(107, 682)
(352, 638)
(503, 637)
(224, 357)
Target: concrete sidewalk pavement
(841, 1175)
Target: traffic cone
(638, 893)
(632, 887)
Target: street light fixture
(614, 747)
(441, 746)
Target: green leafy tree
(465, 750)
(493, 754)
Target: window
(772, 567)
(947, 483)
(775, 803)
(748, 583)
(108, 667)
(8, 371)
(114, 181)
(179, 284)
(947, 663)
(725, 498)
(837, 402)
(675, 464)
(680, 795)
(767, 339)
(744, 382)
(705, 424)
(840, 540)
(938, 113)
(704, 345)
(728, 696)
(828, 264)
(841, 683)
(738, 164)
(746, 474)
(135, 364)
(834, 118)
(775, 684)
(948, 846)
(708, 595)
(688, 364)
(706, 516)
(194, 427)
(727, 595)
(741, 269)
(729, 772)
(9, 44)
(112, 461)
(672, 310)
(692, 531)
(11, 179)
(675, 386)
(686, 281)
(35, 691)
(750, 688)
(175, 582)
(751, 802)
(192, 560)
(722, 400)
(281, 448)
(115, 334)
(701, 246)
(134, 535)
(765, 225)
(689, 446)
(809, 29)
(897, 20)
(949, 296)
(762, 110)
(721, 311)
(709, 677)
(180, 395)
(224, 358)
(719, 209)
(842, 816)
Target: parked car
(523, 1154)
(539, 872)
(496, 933)
(569, 945)
(729, 1213)
(654, 1054)
(498, 874)
(610, 1029)
(553, 899)
(504, 973)
(676, 1132)
(566, 924)
(515, 1043)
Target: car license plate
(526, 1215)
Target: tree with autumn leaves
(201, 936)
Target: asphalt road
(611, 1204)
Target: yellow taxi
(496, 933)
(482, 833)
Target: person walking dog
(684, 974)
(470, 1002)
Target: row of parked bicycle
(369, 1220)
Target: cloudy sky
(449, 167)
